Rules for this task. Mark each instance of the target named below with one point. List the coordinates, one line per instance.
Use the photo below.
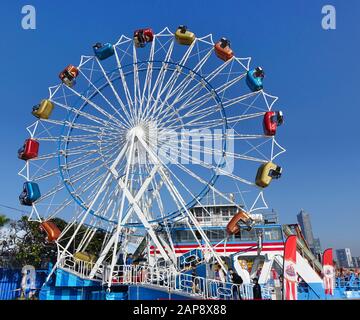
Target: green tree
(30, 247)
(3, 220)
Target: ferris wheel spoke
(67, 202)
(207, 96)
(174, 77)
(196, 125)
(111, 204)
(198, 135)
(62, 123)
(84, 138)
(159, 81)
(149, 74)
(226, 104)
(206, 184)
(186, 147)
(257, 148)
(170, 117)
(68, 152)
(79, 163)
(238, 100)
(129, 119)
(183, 85)
(86, 172)
(187, 104)
(87, 184)
(129, 100)
(198, 87)
(212, 123)
(125, 123)
(79, 112)
(193, 196)
(103, 201)
(214, 168)
(136, 83)
(99, 109)
(58, 187)
(211, 110)
(171, 122)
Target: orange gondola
(52, 231)
(233, 226)
(223, 50)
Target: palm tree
(3, 220)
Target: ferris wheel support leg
(136, 199)
(139, 212)
(118, 227)
(175, 192)
(102, 188)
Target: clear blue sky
(314, 72)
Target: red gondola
(142, 36)
(30, 150)
(272, 120)
(68, 75)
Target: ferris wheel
(138, 133)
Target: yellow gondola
(43, 110)
(266, 173)
(183, 36)
(83, 256)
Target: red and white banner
(290, 274)
(329, 271)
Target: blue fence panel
(10, 282)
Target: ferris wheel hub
(137, 132)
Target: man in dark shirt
(257, 290)
(237, 281)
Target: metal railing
(184, 283)
(351, 284)
(166, 279)
(80, 267)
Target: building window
(272, 234)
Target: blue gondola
(103, 51)
(30, 193)
(254, 79)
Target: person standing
(129, 259)
(195, 280)
(237, 282)
(257, 290)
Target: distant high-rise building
(317, 247)
(344, 258)
(303, 219)
(356, 262)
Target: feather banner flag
(290, 274)
(329, 272)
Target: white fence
(166, 279)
